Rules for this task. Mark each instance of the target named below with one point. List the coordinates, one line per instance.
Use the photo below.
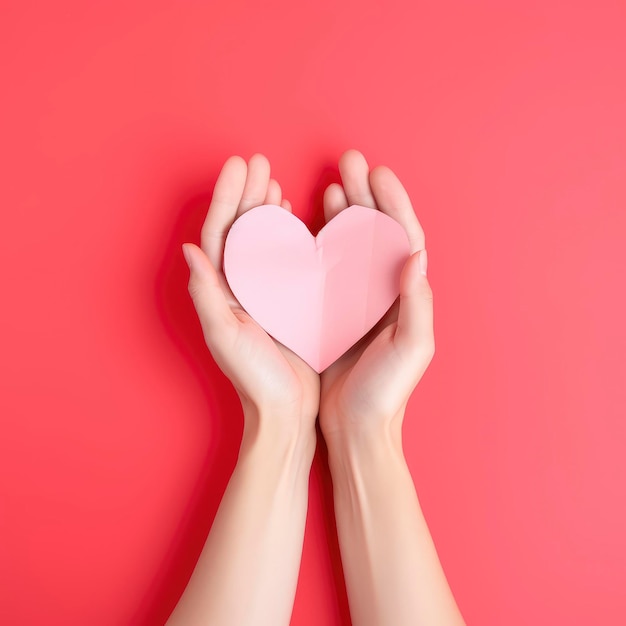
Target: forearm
(392, 571)
(248, 569)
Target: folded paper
(316, 295)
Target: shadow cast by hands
(176, 311)
(224, 412)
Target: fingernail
(423, 261)
(187, 256)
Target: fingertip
(423, 262)
(354, 171)
(260, 160)
(191, 253)
(236, 160)
(256, 186)
(206, 292)
(410, 274)
(351, 153)
(286, 205)
(274, 192)
(235, 170)
(381, 175)
(334, 190)
(418, 280)
(352, 161)
(418, 283)
(334, 201)
(393, 199)
(198, 262)
(414, 334)
(187, 254)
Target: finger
(286, 205)
(274, 193)
(393, 199)
(414, 334)
(216, 318)
(257, 182)
(335, 201)
(223, 208)
(354, 172)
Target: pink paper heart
(316, 295)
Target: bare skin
(247, 571)
(392, 571)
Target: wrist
(367, 443)
(365, 466)
(346, 433)
(279, 433)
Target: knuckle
(425, 351)
(193, 287)
(427, 293)
(420, 353)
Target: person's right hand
(271, 381)
(369, 386)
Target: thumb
(414, 334)
(216, 318)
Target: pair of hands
(369, 386)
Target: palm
(270, 365)
(372, 379)
(357, 385)
(264, 372)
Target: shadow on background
(179, 319)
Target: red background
(506, 122)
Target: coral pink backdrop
(506, 122)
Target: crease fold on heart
(316, 295)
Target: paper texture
(316, 295)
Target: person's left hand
(274, 384)
(368, 387)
